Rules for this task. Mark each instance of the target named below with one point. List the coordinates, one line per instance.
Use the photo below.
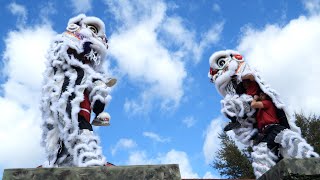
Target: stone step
(136, 172)
(302, 169)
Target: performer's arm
(255, 103)
(98, 96)
(98, 107)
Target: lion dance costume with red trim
(227, 71)
(74, 85)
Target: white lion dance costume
(227, 72)
(74, 84)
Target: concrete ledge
(152, 172)
(292, 169)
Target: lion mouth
(92, 57)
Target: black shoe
(231, 125)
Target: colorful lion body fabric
(74, 86)
(228, 70)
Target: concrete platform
(294, 169)
(139, 172)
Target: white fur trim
(57, 124)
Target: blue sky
(164, 108)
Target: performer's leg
(271, 134)
(86, 150)
(64, 158)
(83, 123)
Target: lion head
(86, 39)
(226, 66)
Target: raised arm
(255, 103)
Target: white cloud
(209, 175)
(81, 6)
(185, 38)
(288, 60)
(189, 121)
(17, 9)
(20, 131)
(171, 157)
(20, 136)
(144, 56)
(20, 11)
(181, 158)
(212, 36)
(140, 158)
(155, 137)
(216, 8)
(212, 142)
(147, 62)
(178, 34)
(47, 9)
(24, 58)
(312, 6)
(123, 144)
(132, 107)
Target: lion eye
(93, 29)
(221, 62)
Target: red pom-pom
(238, 56)
(213, 71)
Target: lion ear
(77, 19)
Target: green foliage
(231, 162)
(310, 129)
